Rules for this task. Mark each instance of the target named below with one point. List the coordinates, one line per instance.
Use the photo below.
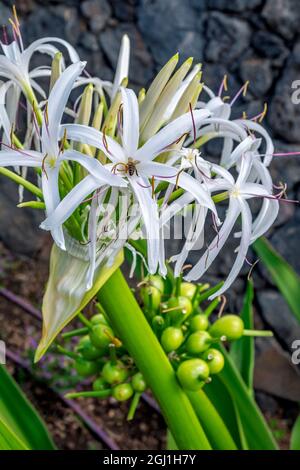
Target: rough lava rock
(259, 73)
(227, 38)
(283, 16)
(234, 5)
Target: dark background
(256, 40)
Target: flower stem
(265, 333)
(94, 394)
(22, 181)
(131, 325)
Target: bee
(129, 167)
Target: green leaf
(222, 401)
(257, 433)
(242, 350)
(295, 437)
(214, 427)
(8, 439)
(284, 276)
(65, 294)
(20, 424)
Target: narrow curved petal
(185, 181)
(56, 105)
(130, 135)
(242, 250)
(94, 167)
(90, 136)
(122, 65)
(52, 199)
(217, 244)
(256, 127)
(28, 158)
(41, 46)
(70, 202)
(149, 214)
(170, 134)
(245, 168)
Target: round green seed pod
(214, 359)
(231, 327)
(171, 339)
(199, 323)
(192, 373)
(122, 392)
(198, 342)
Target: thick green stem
(22, 181)
(132, 327)
(211, 421)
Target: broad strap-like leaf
(242, 350)
(284, 276)
(9, 440)
(20, 423)
(66, 294)
(295, 437)
(257, 433)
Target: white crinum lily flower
(51, 155)
(239, 192)
(136, 165)
(15, 62)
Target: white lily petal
(70, 202)
(249, 190)
(242, 251)
(170, 134)
(217, 244)
(265, 219)
(92, 233)
(122, 65)
(164, 172)
(130, 135)
(245, 168)
(149, 213)
(243, 147)
(90, 136)
(94, 167)
(41, 46)
(52, 199)
(20, 158)
(56, 105)
(256, 127)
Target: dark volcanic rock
(234, 5)
(227, 38)
(124, 11)
(284, 115)
(259, 73)
(283, 16)
(19, 227)
(278, 316)
(274, 372)
(97, 12)
(171, 26)
(271, 46)
(286, 240)
(141, 65)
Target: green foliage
(286, 279)
(20, 425)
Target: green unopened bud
(56, 69)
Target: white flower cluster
(144, 147)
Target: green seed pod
(98, 318)
(187, 289)
(199, 322)
(138, 383)
(184, 309)
(198, 342)
(122, 392)
(99, 384)
(150, 296)
(171, 339)
(101, 335)
(156, 281)
(192, 373)
(87, 349)
(229, 326)
(86, 368)
(114, 372)
(214, 359)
